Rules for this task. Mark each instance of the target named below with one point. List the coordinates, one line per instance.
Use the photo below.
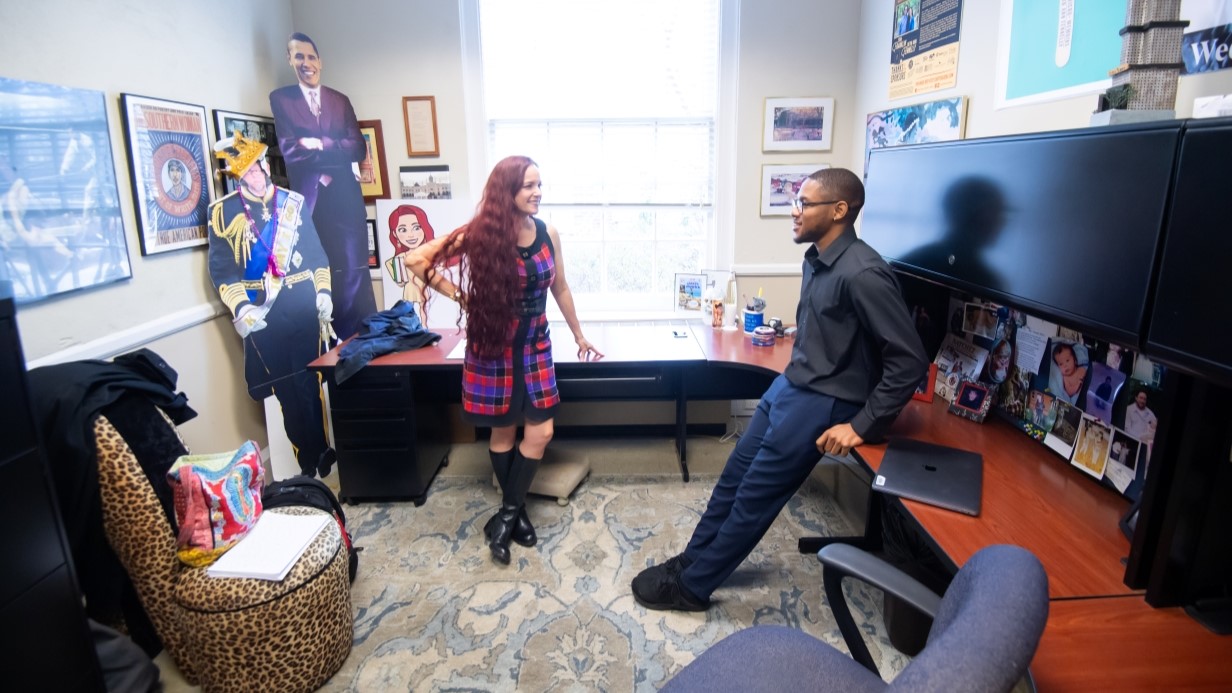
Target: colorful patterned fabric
(488, 385)
(217, 501)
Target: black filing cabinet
(44, 641)
(391, 431)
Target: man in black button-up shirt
(856, 362)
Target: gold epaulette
(232, 233)
(232, 295)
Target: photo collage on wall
(1089, 401)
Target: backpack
(305, 490)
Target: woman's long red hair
(490, 260)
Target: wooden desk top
(621, 344)
(734, 347)
(1122, 644)
(1032, 498)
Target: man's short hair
(845, 185)
(302, 38)
(175, 165)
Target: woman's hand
(587, 351)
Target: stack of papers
(271, 548)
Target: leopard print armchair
(226, 634)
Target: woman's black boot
(523, 530)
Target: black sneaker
(655, 588)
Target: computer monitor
(1191, 321)
(1065, 225)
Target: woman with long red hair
(508, 261)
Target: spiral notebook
(945, 477)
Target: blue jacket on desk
(385, 332)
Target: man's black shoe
(655, 588)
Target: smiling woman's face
(409, 232)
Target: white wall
(230, 54)
(222, 54)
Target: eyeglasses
(801, 205)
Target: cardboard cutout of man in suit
(320, 140)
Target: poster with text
(924, 47)
(1055, 50)
(1207, 43)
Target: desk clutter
(1087, 400)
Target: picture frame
(419, 117)
(802, 124)
(373, 175)
(971, 400)
(688, 288)
(779, 185)
(374, 259)
(169, 158)
(943, 120)
(424, 182)
(924, 391)
(253, 127)
(60, 201)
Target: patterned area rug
(433, 612)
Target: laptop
(945, 477)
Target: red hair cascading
(490, 260)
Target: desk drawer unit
(389, 447)
(616, 383)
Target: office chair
(984, 634)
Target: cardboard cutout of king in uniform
(271, 272)
(320, 141)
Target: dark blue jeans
(769, 464)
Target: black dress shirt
(855, 340)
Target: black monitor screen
(1191, 324)
(1065, 224)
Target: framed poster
(254, 127)
(779, 185)
(60, 218)
(168, 157)
(419, 117)
(797, 125)
(374, 260)
(373, 176)
(424, 182)
(944, 120)
(1048, 51)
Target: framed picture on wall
(169, 158)
(374, 260)
(254, 127)
(419, 117)
(798, 124)
(943, 120)
(373, 176)
(779, 185)
(60, 219)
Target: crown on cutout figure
(239, 153)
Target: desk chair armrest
(843, 560)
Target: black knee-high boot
(513, 497)
(523, 531)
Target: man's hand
(311, 143)
(249, 319)
(839, 440)
(325, 308)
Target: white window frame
(722, 246)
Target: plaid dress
(522, 382)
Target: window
(618, 103)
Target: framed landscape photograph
(798, 124)
(62, 229)
(373, 176)
(779, 185)
(169, 160)
(254, 127)
(424, 182)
